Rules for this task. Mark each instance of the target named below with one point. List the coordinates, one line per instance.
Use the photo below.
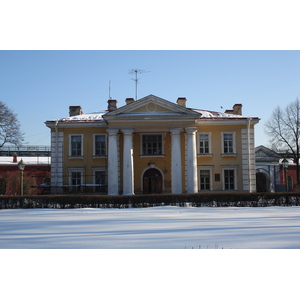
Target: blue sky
(41, 85)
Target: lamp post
(21, 166)
(285, 165)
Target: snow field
(129, 254)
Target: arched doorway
(152, 181)
(262, 182)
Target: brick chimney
(112, 105)
(75, 111)
(15, 158)
(181, 101)
(236, 110)
(129, 100)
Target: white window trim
(94, 145)
(234, 168)
(70, 145)
(233, 146)
(162, 144)
(205, 168)
(209, 144)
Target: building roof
(31, 160)
(134, 109)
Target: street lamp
(285, 164)
(21, 166)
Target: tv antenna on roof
(136, 72)
(109, 97)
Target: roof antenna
(136, 71)
(109, 97)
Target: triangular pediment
(264, 153)
(152, 106)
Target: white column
(128, 185)
(113, 168)
(176, 166)
(192, 179)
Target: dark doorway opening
(152, 181)
(262, 182)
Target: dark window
(76, 178)
(100, 146)
(228, 142)
(229, 179)
(204, 179)
(100, 180)
(76, 145)
(152, 144)
(203, 144)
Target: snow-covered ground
(138, 271)
(151, 228)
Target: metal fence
(25, 150)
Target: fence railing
(25, 150)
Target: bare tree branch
(9, 127)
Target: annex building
(152, 146)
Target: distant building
(36, 174)
(270, 174)
(153, 146)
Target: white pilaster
(248, 160)
(113, 168)
(128, 183)
(191, 154)
(176, 166)
(57, 142)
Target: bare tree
(9, 127)
(283, 127)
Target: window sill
(99, 156)
(76, 157)
(153, 155)
(205, 155)
(229, 155)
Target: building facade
(153, 146)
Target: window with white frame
(75, 178)
(99, 145)
(204, 143)
(229, 178)
(152, 144)
(228, 139)
(76, 145)
(205, 179)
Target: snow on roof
(95, 116)
(28, 160)
(98, 116)
(214, 114)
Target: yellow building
(153, 146)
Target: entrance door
(152, 181)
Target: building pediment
(263, 153)
(151, 108)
